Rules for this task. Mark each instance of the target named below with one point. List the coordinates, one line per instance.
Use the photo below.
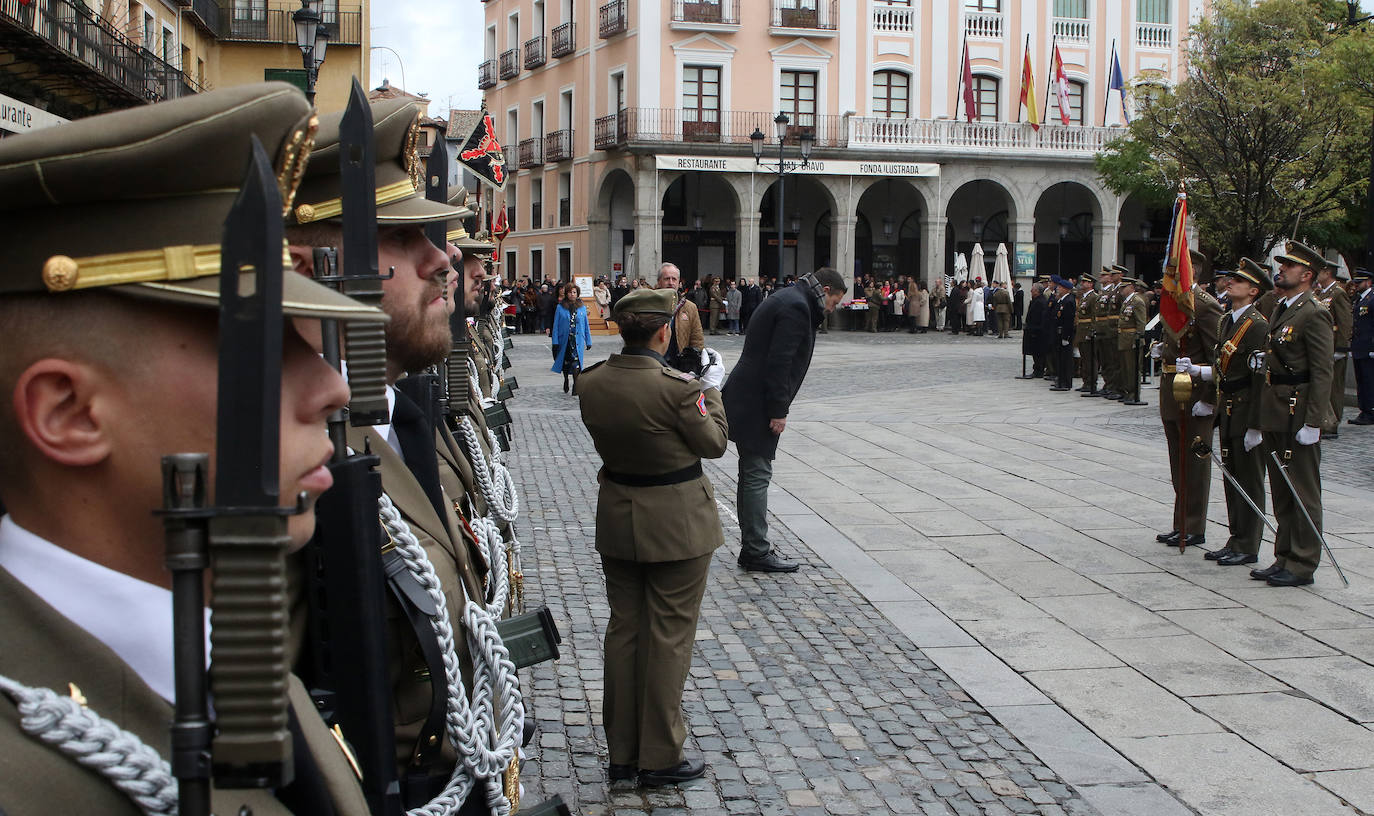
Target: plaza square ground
(984, 622)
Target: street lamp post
(807, 139)
(312, 38)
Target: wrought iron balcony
(535, 51)
(614, 18)
(486, 75)
(814, 15)
(558, 145)
(531, 153)
(722, 12)
(564, 40)
(256, 23)
(207, 14)
(510, 63)
(610, 131)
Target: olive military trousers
(1247, 468)
(1296, 546)
(653, 624)
(1192, 477)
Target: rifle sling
(418, 608)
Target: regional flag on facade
(1118, 83)
(1176, 307)
(481, 153)
(966, 77)
(1061, 86)
(1028, 102)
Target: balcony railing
(985, 24)
(1072, 29)
(1154, 35)
(531, 153)
(558, 145)
(610, 131)
(486, 75)
(564, 212)
(207, 13)
(725, 127)
(893, 20)
(54, 33)
(510, 63)
(534, 52)
(254, 23)
(816, 15)
(614, 18)
(944, 136)
(564, 40)
(725, 12)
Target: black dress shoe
(621, 773)
(1059, 388)
(1362, 419)
(1134, 403)
(1090, 393)
(1238, 558)
(770, 562)
(1284, 578)
(686, 770)
(1194, 540)
(1263, 574)
(1217, 555)
(1168, 538)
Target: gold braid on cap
(294, 156)
(412, 154)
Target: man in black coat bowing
(759, 393)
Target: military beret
(647, 301)
(1361, 274)
(1251, 272)
(1295, 252)
(134, 202)
(399, 173)
(1058, 281)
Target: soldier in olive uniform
(109, 296)
(1001, 306)
(1191, 476)
(1134, 316)
(1330, 293)
(656, 528)
(1084, 330)
(873, 297)
(1243, 332)
(1104, 333)
(1295, 404)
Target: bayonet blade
(436, 189)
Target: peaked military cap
(458, 199)
(399, 175)
(134, 202)
(1361, 274)
(1118, 269)
(1251, 272)
(1087, 277)
(647, 301)
(478, 245)
(1303, 255)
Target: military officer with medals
(1362, 346)
(1191, 476)
(1330, 292)
(1243, 332)
(1295, 404)
(1104, 339)
(1131, 325)
(109, 296)
(656, 528)
(1083, 334)
(1064, 312)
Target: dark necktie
(1278, 311)
(416, 435)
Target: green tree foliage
(1270, 129)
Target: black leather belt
(1289, 379)
(687, 474)
(1235, 384)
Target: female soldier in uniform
(656, 528)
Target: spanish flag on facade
(1028, 103)
(1176, 307)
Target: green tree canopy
(1270, 129)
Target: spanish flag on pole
(1028, 103)
(1176, 307)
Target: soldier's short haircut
(826, 276)
(637, 328)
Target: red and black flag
(481, 153)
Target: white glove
(1340, 355)
(1202, 409)
(1063, 342)
(1371, 355)
(712, 369)
(1077, 354)
(1183, 364)
(1252, 439)
(1156, 350)
(1307, 435)
(1256, 361)
(1202, 372)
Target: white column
(599, 247)
(747, 244)
(1105, 238)
(842, 236)
(933, 251)
(648, 217)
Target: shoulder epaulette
(593, 365)
(669, 371)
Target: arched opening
(981, 211)
(892, 248)
(805, 203)
(1064, 219)
(613, 240)
(1143, 238)
(699, 226)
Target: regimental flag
(1061, 86)
(500, 228)
(1176, 307)
(1118, 83)
(481, 153)
(970, 108)
(1028, 102)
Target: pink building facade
(629, 122)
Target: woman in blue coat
(570, 334)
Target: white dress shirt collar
(133, 618)
(1237, 311)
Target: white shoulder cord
(131, 766)
(493, 479)
(485, 749)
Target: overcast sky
(439, 43)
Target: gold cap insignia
(412, 154)
(295, 155)
(305, 214)
(60, 273)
